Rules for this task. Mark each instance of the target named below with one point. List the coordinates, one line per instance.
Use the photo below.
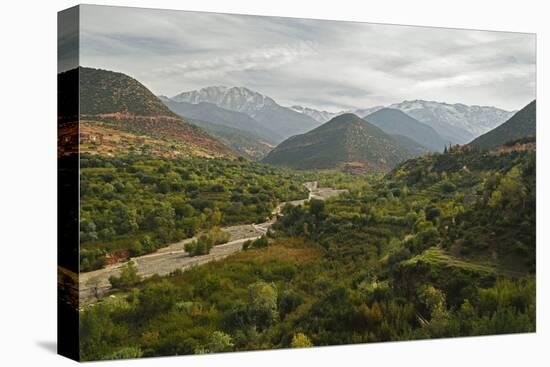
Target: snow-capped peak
(476, 120)
(239, 99)
(319, 116)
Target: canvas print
(235, 183)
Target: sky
(327, 65)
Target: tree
(126, 353)
(301, 340)
(128, 277)
(288, 301)
(161, 216)
(124, 218)
(157, 298)
(434, 300)
(260, 242)
(448, 187)
(432, 212)
(99, 334)
(220, 342)
(510, 193)
(262, 304)
(317, 208)
(135, 248)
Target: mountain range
(229, 121)
(344, 142)
(283, 121)
(523, 124)
(317, 115)
(455, 123)
(206, 111)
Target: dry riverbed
(95, 283)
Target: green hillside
(522, 124)
(346, 139)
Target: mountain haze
(244, 143)
(206, 111)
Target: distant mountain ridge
(235, 129)
(346, 140)
(282, 120)
(362, 112)
(242, 142)
(456, 123)
(238, 99)
(317, 115)
(521, 125)
(206, 111)
(323, 116)
(396, 122)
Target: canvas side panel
(68, 182)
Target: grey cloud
(325, 64)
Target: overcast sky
(322, 64)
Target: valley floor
(95, 284)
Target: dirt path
(172, 257)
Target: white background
(28, 183)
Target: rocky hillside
(522, 125)
(117, 102)
(394, 121)
(345, 142)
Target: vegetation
(128, 277)
(257, 243)
(136, 204)
(415, 254)
(204, 244)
